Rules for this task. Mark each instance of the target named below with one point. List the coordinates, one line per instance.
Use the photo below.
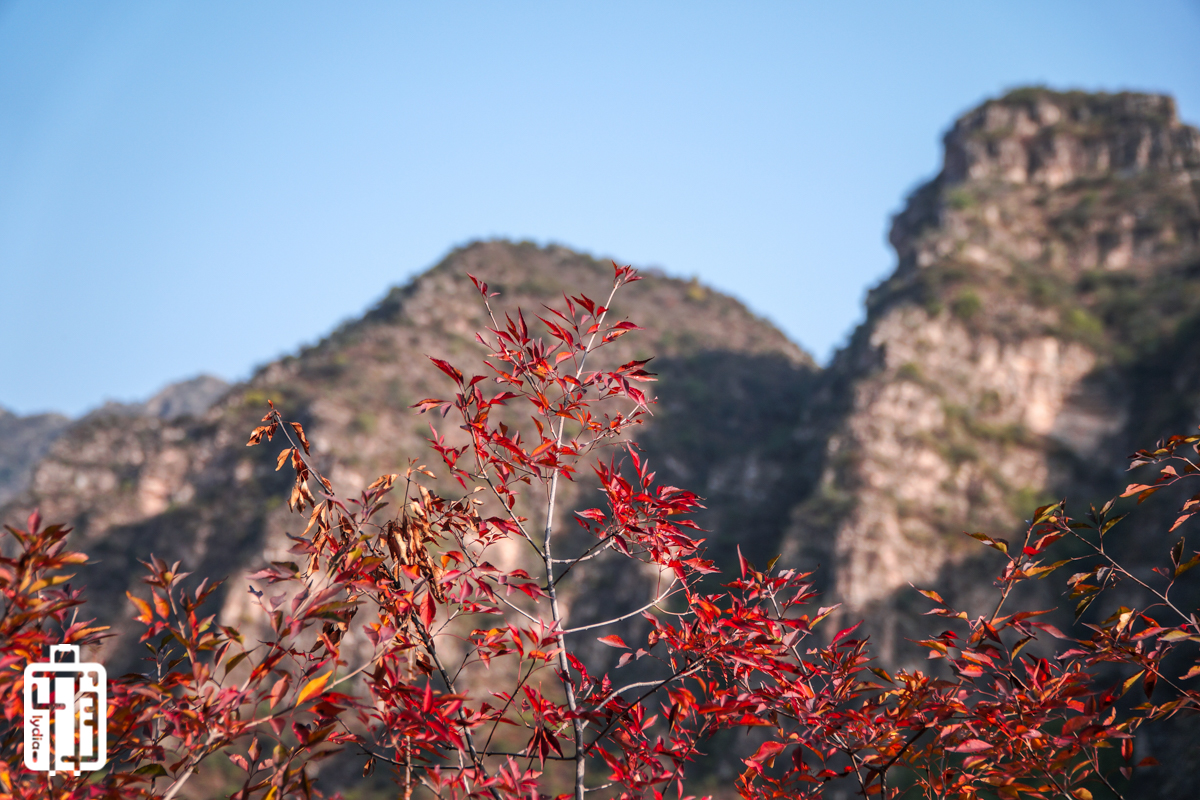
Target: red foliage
(421, 585)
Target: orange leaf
(300, 433)
(144, 613)
(932, 595)
(160, 605)
(313, 688)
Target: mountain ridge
(24, 439)
(186, 488)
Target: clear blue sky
(201, 187)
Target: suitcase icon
(66, 713)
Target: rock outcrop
(24, 440)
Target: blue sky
(201, 187)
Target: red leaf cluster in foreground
(388, 633)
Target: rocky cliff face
(1040, 323)
(1047, 278)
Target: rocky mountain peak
(1052, 138)
(186, 398)
(1079, 181)
(142, 478)
(1046, 279)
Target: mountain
(191, 397)
(23, 441)
(1040, 325)
(1042, 322)
(187, 488)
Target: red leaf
(971, 746)
(1053, 631)
(427, 699)
(845, 632)
(428, 609)
(767, 750)
(613, 641)
(447, 368)
(278, 690)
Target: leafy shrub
(967, 305)
(960, 198)
(1077, 324)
